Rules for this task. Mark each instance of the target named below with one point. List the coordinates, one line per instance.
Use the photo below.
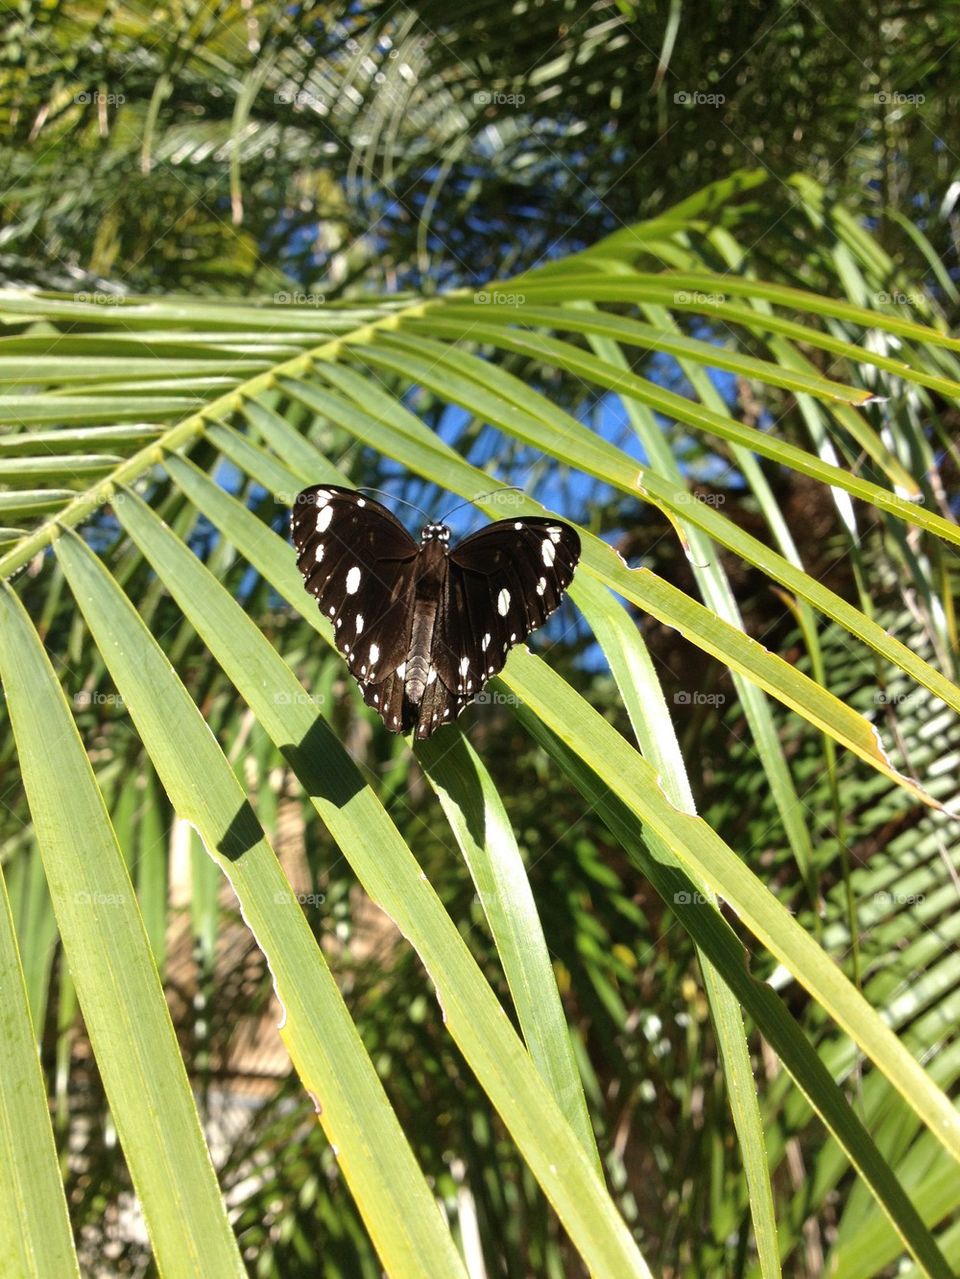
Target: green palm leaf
(142, 422)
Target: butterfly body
(429, 589)
(423, 627)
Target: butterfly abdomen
(430, 579)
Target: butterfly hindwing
(387, 700)
(360, 563)
(503, 583)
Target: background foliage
(204, 215)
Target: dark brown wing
(503, 583)
(360, 563)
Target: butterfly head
(435, 533)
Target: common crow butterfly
(423, 627)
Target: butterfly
(424, 626)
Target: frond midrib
(175, 437)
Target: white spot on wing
(548, 551)
(503, 602)
(359, 623)
(353, 580)
(318, 553)
(464, 664)
(485, 641)
(554, 533)
(541, 586)
(401, 670)
(374, 653)
(324, 516)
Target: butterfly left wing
(503, 583)
(360, 563)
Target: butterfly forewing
(360, 563)
(503, 583)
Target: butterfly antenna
(504, 488)
(366, 488)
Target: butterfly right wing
(360, 563)
(504, 582)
